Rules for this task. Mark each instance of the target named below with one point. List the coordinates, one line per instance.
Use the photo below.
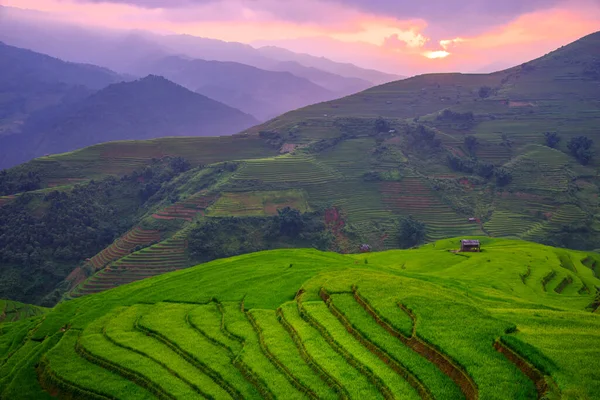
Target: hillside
(461, 154)
(343, 69)
(501, 324)
(340, 85)
(144, 109)
(32, 84)
(263, 94)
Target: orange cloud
(344, 33)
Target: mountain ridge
(143, 109)
(255, 91)
(147, 44)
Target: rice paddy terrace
(332, 158)
(14, 311)
(338, 159)
(517, 321)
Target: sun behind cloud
(437, 54)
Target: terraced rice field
(494, 153)
(506, 224)
(525, 203)
(186, 209)
(258, 203)
(124, 157)
(360, 201)
(350, 157)
(125, 245)
(11, 311)
(412, 197)
(564, 215)
(542, 169)
(288, 168)
(330, 327)
(166, 256)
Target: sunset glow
(437, 54)
(404, 40)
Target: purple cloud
(446, 18)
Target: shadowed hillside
(258, 92)
(32, 84)
(145, 109)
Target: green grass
(133, 365)
(169, 321)
(281, 346)
(209, 321)
(186, 333)
(122, 330)
(11, 311)
(439, 385)
(385, 379)
(63, 361)
(336, 366)
(237, 324)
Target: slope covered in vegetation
(423, 323)
(508, 154)
(144, 109)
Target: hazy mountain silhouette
(261, 93)
(119, 50)
(144, 109)
(342, 69)
(32, 84)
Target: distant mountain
(119, 50)
(340, 85)
(18, 65)
(144, 109)
(264, 94)
(343, 69)
(33, 84)
(316, 69)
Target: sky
(396, 36)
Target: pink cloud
(465, 35)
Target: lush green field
(14, 311)
(516, 321)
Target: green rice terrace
(518, 320)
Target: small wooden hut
(470, 245)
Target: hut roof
(467, 242)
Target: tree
(485, 91)
(503, 177)
(179, 164)
(412, 232)
(381, 125)
(552, 139)
(461, 164)
(290, 221)
(485, 170)
(471, 144)
(581, 148)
